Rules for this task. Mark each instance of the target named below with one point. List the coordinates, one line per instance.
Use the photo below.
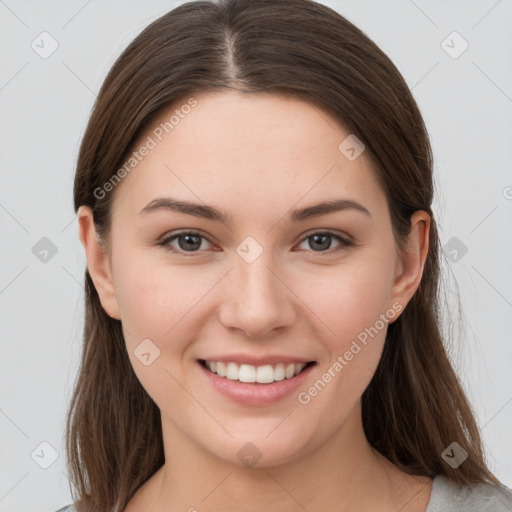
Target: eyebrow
(211, 213)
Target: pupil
(197, 243)
(322, 246)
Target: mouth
(256, 385)
(247, 373)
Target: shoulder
(68, 508)
(448, 495)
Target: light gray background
(45, 103)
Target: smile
(265, 383)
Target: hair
(414, 406)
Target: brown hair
(414, 406)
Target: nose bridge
(257, 301)
(257, 287)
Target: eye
(190, 242)
(321, 240)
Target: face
(261, 287)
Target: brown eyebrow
(211, 213)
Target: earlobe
(97, 262)
(413, 259)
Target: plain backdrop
(465, 96)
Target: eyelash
(165, 243)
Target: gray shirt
(447, 496)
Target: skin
(258, 156)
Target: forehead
(253, 149)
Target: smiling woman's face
(262, 286)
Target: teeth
(265, 374)
(247, 373)
(221, 369)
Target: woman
(262, 329)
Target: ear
(98, 262)
(409, 268)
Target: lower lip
(255, 393)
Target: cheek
(356, 310)
(353, 306)
(156, 304)
(153, 299)
(348, 299)
(164, 304)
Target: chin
(260, 450)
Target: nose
(258, 301)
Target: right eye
(186, 240)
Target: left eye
(190, 242)
(321, 239)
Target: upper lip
(256, 360)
